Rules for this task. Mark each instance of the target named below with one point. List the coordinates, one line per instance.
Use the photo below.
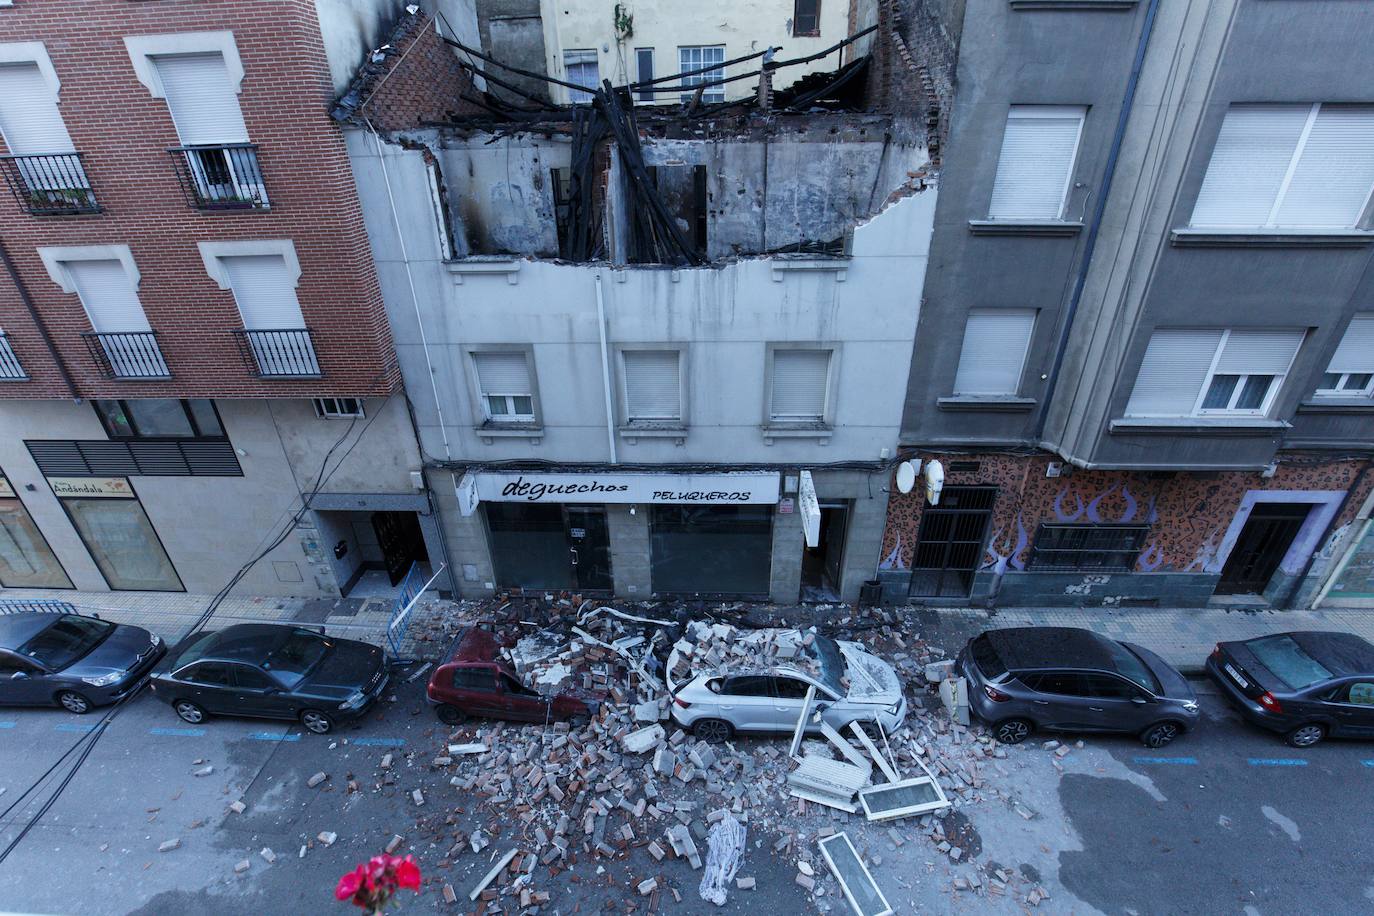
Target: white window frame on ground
(574, 63)
(1352, 365)
(338, 408)
(1015, 171)
(694, 57)
(507, 399)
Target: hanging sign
(737, 488)
(466, 487)
(92, 487)
(810, 510)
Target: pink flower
(349, 884)
(408, 874)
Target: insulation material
(724, 854)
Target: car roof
(243, 642)
(1051, 647)
(17, 629)
(1341, 653)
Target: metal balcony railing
(225, 177)
(10, 369)
(50, 185)
(279, 353)
(127, 354)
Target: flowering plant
(373, 884)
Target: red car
(475, 682)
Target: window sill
(1270, 238)
(490, 432)
(1356, 405)
(1197, 426)
(1045, 227)
(1075, 5)
(632, 433)
(478, 265)
(782, 264)
(821, 432)
(1007, 404)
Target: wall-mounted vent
(965, 467)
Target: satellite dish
(906, 477)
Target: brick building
(190, 319)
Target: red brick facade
(124, 134)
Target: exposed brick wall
(124, 135)
(926, 39)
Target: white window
(800, 386)
(107, 293)
(1035, 167)
(1351, 373)
(265, 292)
(580, 68)
(994, 352)
(694, 58)
(1299, 166)
(338, 408)
(653, 388)
(504, 380)
(34, 132)
(1194, 372)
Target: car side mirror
(1139, 700)
(18, 675)
(820, 707)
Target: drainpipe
(1330, 527)
(38, 322)
(1099, 208)
(605, 367)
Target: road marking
(72, 727)
(8, 724)
(1368, 763)
(1277, 762)
(1181, 761)
(380, 742)
(267, 736)
(179, 732)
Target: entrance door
(401, 542)
(821, 565)
(950, 544)
(589, 546)
(1266, 537)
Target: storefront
(26, 560)
(107, 516)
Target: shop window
(123, 544)
(160, 418)
(1088, 547)
(529, 544)
(711, 550)
(338, 408)
(26, 560)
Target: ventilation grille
(138, 457)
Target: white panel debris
(856, 882)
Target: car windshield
(196, 650)
(66, 640)
(1132, 666)
(830, 663)
(291, 661)
(1290, 664)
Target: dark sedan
(272, 671)
(1305, 685)
(72, 661)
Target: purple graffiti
(1092, 506)
(1153, 515)
(1150, 558)
(993, 560)
(894, 558)
(1022, 540)
(1059, 512)
(1130, 505)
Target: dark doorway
(711, 550)
(589, 543)
(550, 546)
(400, 540)
(1263, 541)
(949, 547)
(822, 565)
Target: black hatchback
(71, 660)
(1306, 685)
(272, 671)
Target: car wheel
(317, 722)
(74, 702)
(1160, 734)
(1013, 731)
(189, 712)
(713, 731)
(449, 715)
(1306, 735)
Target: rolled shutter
(652, 385)
(202, 100)
(29, 118)
(1036, 162)
(503, 373)
(994, 351)
(1251, 157)
(108, 295)
(265, 292)
(1259, 352)
(800, 378)
(1356, 350)
(1335, 170)
(1172, 373)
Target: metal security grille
(950, 545)
(1088, 547)
(148, 458)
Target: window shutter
(108, 296)
(800, 378)
(1248, 164)
(1331, 182)
(29, 118)
(202, 100)
(1173, 372)
(264, 291)
(652, 387)
(1036, 162)
(994, 351)
(1259, 352)
(1356, 350)
(503, 373)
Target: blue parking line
(1181, 761)
(1368, 763)
(266, 736)
(8, 724)
(73, 727)
(380, 742)
(179, 732)
(1277, 762)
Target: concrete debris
(268, 855)
(394, 844)
(418, 797)
(204, 771)
(450, 896)
(326, 837)
(457, 750)
(648, 887)
(643, 739)
(242, 867)
(745, 884)
(169, 845)
(238, 807)
(315, 780)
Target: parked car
(272, 671)
(1305, 685)
(1066, 679)
(851, 685)
(476, 682)
(71, 660)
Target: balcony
(280, 353)
(221, 177)
(127, 354)
(50, 185)
(10, 369)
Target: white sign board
(810, 510)
(466, 488)
(95, 487)
(738, 488)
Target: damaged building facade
(652, 349)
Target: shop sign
(739, 488)
(466, 488)
(92, 487)
(5, 489)
(810, 510)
